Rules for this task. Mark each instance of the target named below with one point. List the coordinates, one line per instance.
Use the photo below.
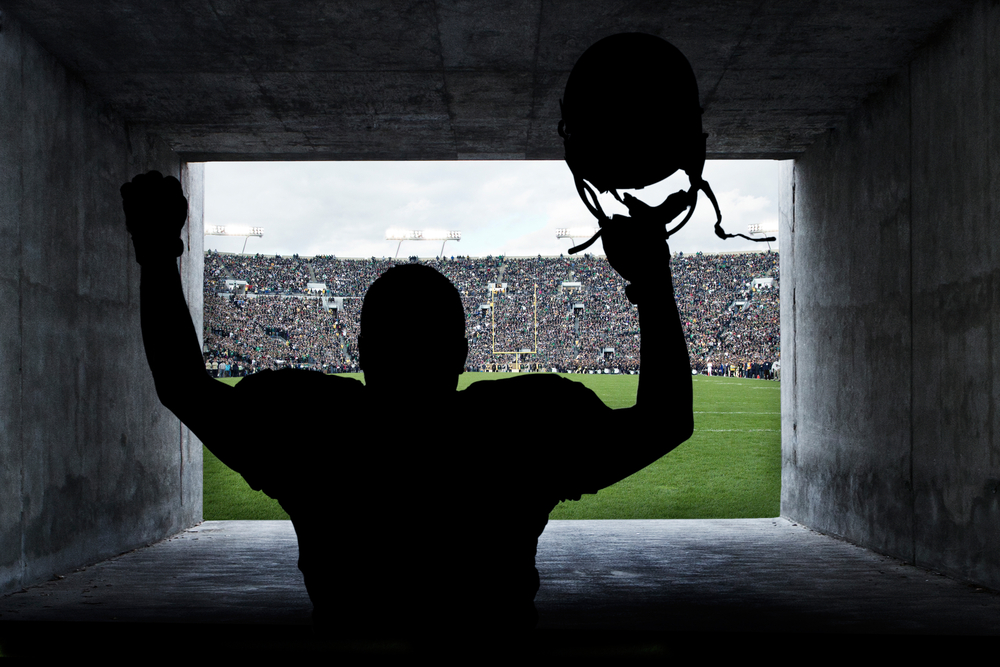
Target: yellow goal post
(496, 288)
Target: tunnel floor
(609, 587)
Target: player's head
(412, 330)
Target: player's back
(416, 518)
(519, 463)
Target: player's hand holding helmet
(636, 244)
(635, 250)
(155, 212)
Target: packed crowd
(564, 313)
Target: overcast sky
(511, 208)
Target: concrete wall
(891, 314)
(90, 464)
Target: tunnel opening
(554, 312)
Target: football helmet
(631, 118)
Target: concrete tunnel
(887, 115)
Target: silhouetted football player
(406, 528)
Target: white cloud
(344, 208)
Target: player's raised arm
(662, 417)
(650, 129)
(155, 212)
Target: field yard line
(736, 430)
(701, 412)
(740, 383)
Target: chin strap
(585, 244)
(595, 208)
(697, 183)
(693, 168)
(719, 231)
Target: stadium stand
(567, 314)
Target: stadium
(564, 314)
(554, 314)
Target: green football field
(730, 468)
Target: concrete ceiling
(438, 80)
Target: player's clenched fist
(155, 212)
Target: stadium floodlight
(757, 228)
(767, 229)
(576, 232)
(443, 235)
(235, 230)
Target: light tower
(235, 230)
(576, 232)
(394, 234)
(767, 229)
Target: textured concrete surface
(846, 408)
(90, 463)
(890, 304)
(956, 299)
(602, 581)
(433, 80)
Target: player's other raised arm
(155, 212)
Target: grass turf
(730, 468)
